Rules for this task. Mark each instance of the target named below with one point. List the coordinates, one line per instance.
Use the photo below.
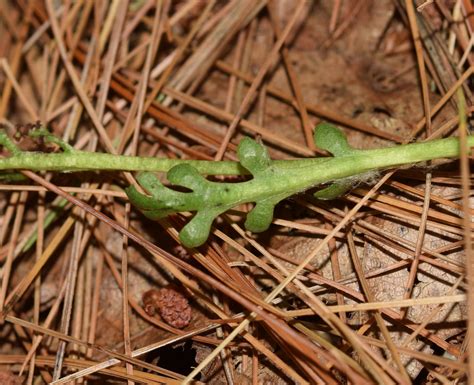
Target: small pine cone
(170, 304)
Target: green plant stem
(334, 168)
(271, 182)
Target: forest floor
(188, 79)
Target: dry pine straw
(118, 110)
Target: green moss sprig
(271, 182)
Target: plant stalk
(334, 168)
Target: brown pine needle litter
(372, 287)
